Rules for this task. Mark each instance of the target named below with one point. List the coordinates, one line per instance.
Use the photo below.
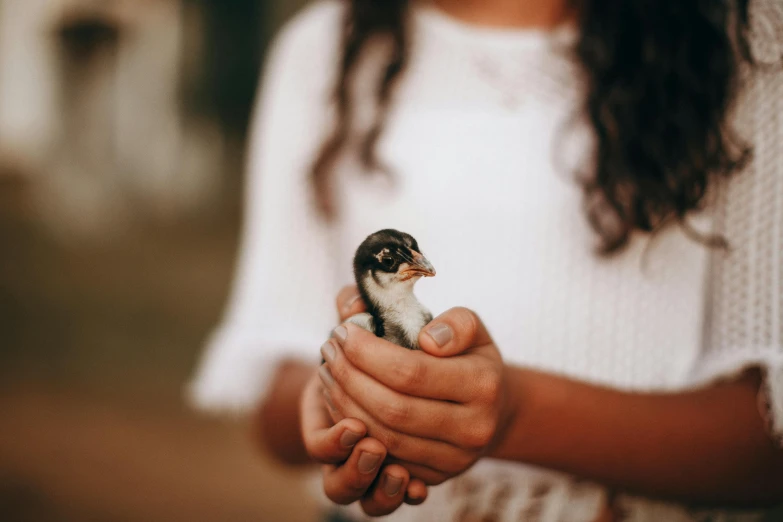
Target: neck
(545, 14)
(389, 299)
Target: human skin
(706, 446)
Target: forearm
(707, 446)
(277, 423)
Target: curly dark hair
(660, 78)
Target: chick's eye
(387, 261)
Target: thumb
(452, 333)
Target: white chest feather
(402, 314)
(410, 317)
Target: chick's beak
(420, 267)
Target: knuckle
(391, 441)
(355, 484)
(488, 384)
(339, 371)
(396, 413)
(410, 374)
(467, 322)
(480, 434)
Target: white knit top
(482, 179)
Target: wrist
(513, 413)
(534, 399)
(276, 426)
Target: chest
(493, 204)
(403, 329)
(399, 318)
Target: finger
(388, 492)
(326, 443)
(416, 493)
(432, 453)
(411, 372)
(349, 302)
(438, 420)
(453, 333)
(350, 481)
(334, 414)
(426, 475)
(335, 444)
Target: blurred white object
(27, 82)
(89, 93)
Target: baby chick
(386, 266)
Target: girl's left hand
(438, 410)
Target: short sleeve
(744, 326)
(281, 305)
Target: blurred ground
(66, 457)
(96, 342)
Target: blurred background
(122, 140)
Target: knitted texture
(744, 322)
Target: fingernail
(326, 376)
(392, 486)
(341, 333)
(368, 462)
(328, 352)
(349, 439)
(349, 304)
(440, 333)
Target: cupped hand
(436, 411)
(353, 464)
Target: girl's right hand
(353, 466)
